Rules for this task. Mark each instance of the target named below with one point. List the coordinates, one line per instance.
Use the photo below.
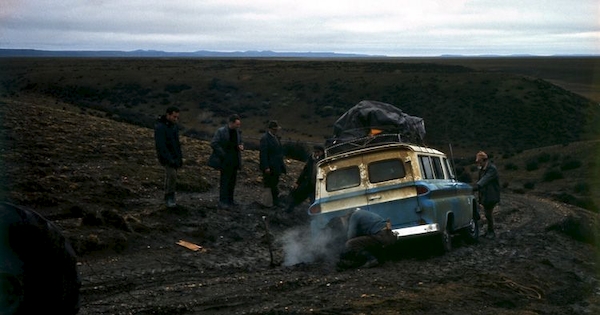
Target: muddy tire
(445, 239)
(471, 232)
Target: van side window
(343, 178)
(449, 168)
(426, 167)
(437, 167)
(431, 167)
(381, 171)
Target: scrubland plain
(77, 147)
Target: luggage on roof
(370, 118)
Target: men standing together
(168, 150)
(227, 148)
(271, 160)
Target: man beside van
(488, 187)
(304, 187)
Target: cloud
(380, 26)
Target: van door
(341, 185)
(463, 199)
(390, 191)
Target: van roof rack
(340, 146)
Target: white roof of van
(358, 151)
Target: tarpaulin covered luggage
(373, 117)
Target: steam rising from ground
(300, 247)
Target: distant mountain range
(217, 54)
(158, 53)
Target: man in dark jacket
(366, 232)
(168, 150)
(271, 160)
(488, 187)
(304, 187)
(227, 148)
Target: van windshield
(343, 178)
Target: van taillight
(421, 190)
(315, 209)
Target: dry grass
(499, 105)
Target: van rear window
(382, 171)
(343, 178)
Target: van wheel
(471, 232)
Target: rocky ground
(99, 182)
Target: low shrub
(570, 164)
(582, 188)
(532, 165)
(585, 203)
(519, 191)
(552, 174)
(543, 157)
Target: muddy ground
(543, 261)
(531, 268)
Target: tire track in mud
(527, 268)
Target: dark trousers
(383, 238)
(272, 181)
(227, 185)
(170, 180)
(300, 194)
(488, 209)
(360, 249)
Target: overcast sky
(383, 27)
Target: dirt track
(531, 268)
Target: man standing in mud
(366, 233)
(488, 187)
(271, 160)
(227, 148)
(304, 187)
(168, 150)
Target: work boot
(224, 205)
(170, 200)
(371, 263)
(371, 260)
(490, 235)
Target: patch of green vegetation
(552, 174)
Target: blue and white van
(412, 186)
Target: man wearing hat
(488, 187)
(304, 187)
(271, 160)
(227, 148)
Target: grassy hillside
(53, 157)
(544, 139)
(469, 108)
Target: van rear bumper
(417, 230)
